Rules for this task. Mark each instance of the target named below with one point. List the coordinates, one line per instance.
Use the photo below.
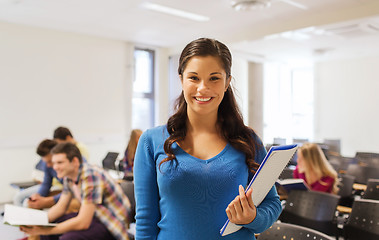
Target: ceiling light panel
(174, 12)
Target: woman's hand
(34, 230)
(242, 210)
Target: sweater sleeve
(146, 190)
(270, 208)
(267, 212)
(47, 181)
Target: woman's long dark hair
(229, 117)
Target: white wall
(239, 84)
(51, 78)
(347, 98)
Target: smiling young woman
(189, 174)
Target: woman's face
(204, 83)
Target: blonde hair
(132, 145)
(316, 162)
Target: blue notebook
(268, 172)
(293, 184)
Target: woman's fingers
(250, 198)
(243, 198)
(241, 210)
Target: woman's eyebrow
(216, 73)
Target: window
(143, 89)
(288, 102)
(302, 103)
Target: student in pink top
(314, 168)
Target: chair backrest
(368, 158)
(286, 174)
(362, 173)
(334, 145)
(346, 185)
(280, 141)
(372, 190)
(128, 188)
(312, 205)
(363, 222)
(340, 163)
(109, 160)
(311, 209)
(281, 230)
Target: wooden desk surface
(358, 186)
(343, 209)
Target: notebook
(293, 184)
(268, 172)
(19, 216)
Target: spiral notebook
(268, 172)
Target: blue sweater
(188, 200)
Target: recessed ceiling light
(245, 5)
(175, 12)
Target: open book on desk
(22, 216)
(268, 172)
(293, 184)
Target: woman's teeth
(203, 99)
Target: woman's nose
(202, 86)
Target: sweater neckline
(207, 160)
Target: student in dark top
(37, 196)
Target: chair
(363, 222)
(286, 174)
(362, 173)
(121, 165)
(346, 190)
(300, 141)
(316, 210)
(372, 190)
(280, 230)
(128, 188)
(368, 158)
(280, 141)
(109, 160)
(334, 145)
(340, 163)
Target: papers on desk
(22, 216)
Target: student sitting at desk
(37, 196)
(128, 160)
(314, 168)
(63, 134)
(103, 211)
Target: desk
(343, 209)
(359, 187)
(23, 185)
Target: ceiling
(326, 28)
